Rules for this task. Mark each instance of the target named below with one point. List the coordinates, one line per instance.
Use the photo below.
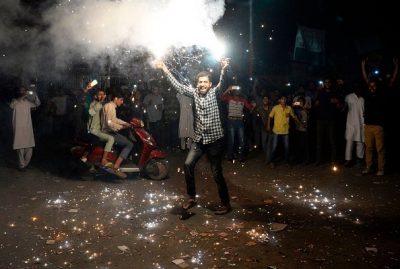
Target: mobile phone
(235, 87)
(93, 83)
(30, 92)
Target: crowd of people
(316, 123)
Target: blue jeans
(124, 143)
(285, 139)
(235, 129)
(266, 142)
(214, 153)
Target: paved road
(57, 216)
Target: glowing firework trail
(102, 26)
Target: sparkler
(125, 26)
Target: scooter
(147, 159)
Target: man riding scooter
(111, 125)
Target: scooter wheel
(157, 169)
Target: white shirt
(355, 117)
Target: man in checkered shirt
(209, 133)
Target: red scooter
(148, 159)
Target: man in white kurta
(24, 140)
(354, 126)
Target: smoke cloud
(52, 35)
(23, 45)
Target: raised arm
(395, 72)
(182, 89)
(227, 90)
(363, 70)
(89, 86)
(33, 99)
(224, 66)
(35, 102)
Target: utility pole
(251, 45)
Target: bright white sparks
(156, 25)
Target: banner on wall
(309, 46)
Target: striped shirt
(236, 105)
(207, 122)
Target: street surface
(58, 215)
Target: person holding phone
(95, 125)
(24, 140)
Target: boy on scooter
(111, 125)
(95, 125)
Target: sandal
(119, 173)
(190, 203)
(108, 164)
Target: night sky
(352, 32)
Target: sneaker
(108, 165)
(21, 169)
(380, 173)
(348, 163)
(272, 165)
(223, 209)
(366, 171)
(190, 203)
(119, 173)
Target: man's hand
(225, 63)
(103, 98)
(88, 87)
(159, 64)
(364, 61)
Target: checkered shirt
(207, 122)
